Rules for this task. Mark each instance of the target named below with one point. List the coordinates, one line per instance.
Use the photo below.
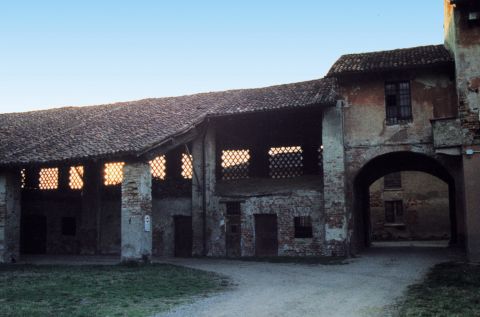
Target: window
(235, 164)
(75, 180)
(392, 181)
(113, 174)
(69, 226)
(23, 178)
(394, 211)
(398, 102)
(48, 179)
(158, 167)
(187, 166)
(286, 162)
(233, 208)
(303, 227)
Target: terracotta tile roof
(407, 58)
(107, 131)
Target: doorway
(234, 229)
(183, 236)
(266, 239)
(34, 234)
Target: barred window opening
(159, 167)
(235, 164)
(187, 166)
(398, 102)
(113, 173)
(303, 227)
(394, 211)
(23, 178)
(286, 161)
(75, 180)
(48, 179)
(392, 181)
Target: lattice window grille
(75, 180)
(286, 161)
(48, 179)
(235, 164)
(320, 155)
(113, 173)
(159, 168)
(23, 178)
(187, 166)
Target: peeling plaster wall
(9, 217)
(136, 241)
(463, 40)
(335, 203)
(367, 135)
(425, 207)
(286, 198)
(163, 222)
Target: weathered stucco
(425, 209)
(136, 212)
(9, 217)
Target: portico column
(334, 182)
(136, 226)
(10, 210)
(203, 189)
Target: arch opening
(406, 164)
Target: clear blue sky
(62, 53)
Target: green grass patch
(450, 289)
(74, 291)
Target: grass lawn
(450, 289)
(27, 290)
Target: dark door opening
(233, 230)
(183, 236)
(34, 234)
(266, 240)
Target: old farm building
(282, 170)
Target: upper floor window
(398, 102)
(392, 181)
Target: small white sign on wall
(148, 223)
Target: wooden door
(266, 240)
(183, 236)
(233, 230)
(34, 234)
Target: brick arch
(382, 165)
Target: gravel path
(363, 287)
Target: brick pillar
(204, 180)
(91, 208)
(334, 181)
(136, 215)
(10, 212)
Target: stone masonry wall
(136, 212)
(9, 217)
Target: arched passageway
(387, 164)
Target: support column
(91, 208)
(203, 182)
(471, 174)
(334, 182)
(10, 212)
(136, 213)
